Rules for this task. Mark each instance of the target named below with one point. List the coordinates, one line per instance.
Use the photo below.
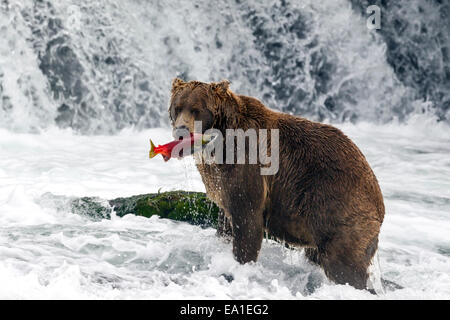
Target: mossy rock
(191, 207)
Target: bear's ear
(176, 84)
(220, 87)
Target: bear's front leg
(244, 201)
(247, 235)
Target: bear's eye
(177, 111)
(195, 112)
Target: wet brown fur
(324, 198)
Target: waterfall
(100, 66)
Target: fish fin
(152, 149)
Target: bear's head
(211, 103)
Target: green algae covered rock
(191, 207)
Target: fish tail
(152, 149)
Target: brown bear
(324, 197)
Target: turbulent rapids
(101, 66)
(85, 84)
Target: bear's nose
(180, 132)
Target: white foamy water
(102, 66)
(49, 254)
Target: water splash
(102, 66)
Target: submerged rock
(191, 207)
